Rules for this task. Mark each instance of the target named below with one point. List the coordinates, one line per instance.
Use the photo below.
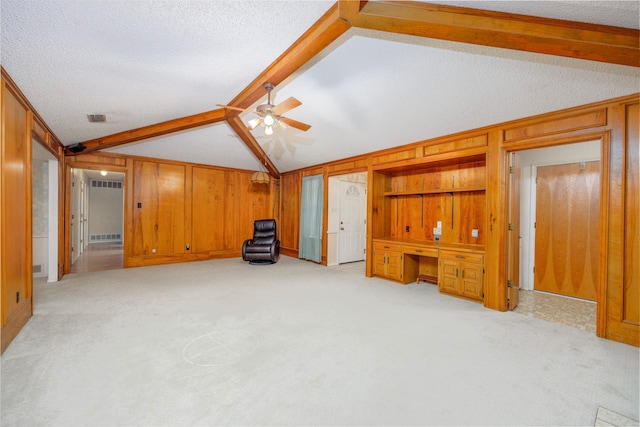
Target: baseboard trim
(15, 324)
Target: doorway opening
(96, 220)
(559, 203)
(44, 214)
(347, 219)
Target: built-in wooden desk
(458, 269)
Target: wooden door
(158, 218)
(566, 241)
(352, 232)
(514, 232)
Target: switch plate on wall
(474, 232)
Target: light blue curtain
(311, 218)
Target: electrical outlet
(474, 232)
(153, 251)
(439, 224)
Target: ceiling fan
(270, 115)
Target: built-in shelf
(434, 191)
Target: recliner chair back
(264, 247)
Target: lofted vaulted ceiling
(370, 75)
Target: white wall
(40, 215)
(106, 211)
(52, 267)
(530, 160)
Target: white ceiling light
(103, 173)
(269, 120)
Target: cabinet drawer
(418, 250)
(462, 256)
(383, 246)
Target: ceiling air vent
(97, 118)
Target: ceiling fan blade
(286, 105)
(254, 123)
(295, 124)
(235, 108)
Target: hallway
(99, 257)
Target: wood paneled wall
(16, 218)
(618, 316)
(196, 194)
(179, 212)
(21, 125)
(613, 122)
(290, 196)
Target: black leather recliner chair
(264, 248)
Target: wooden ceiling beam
(243, 133)
(327, 29)
(497, 29)
(504, 30)
(349, 8)
(150, 131)
(321, 34)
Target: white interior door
(352, 230)
(73, 221)
(85, 215)
(82, 219)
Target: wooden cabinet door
(471, 280)
(448, 276)
(394, 265)
(158, 208)
(379, 264)
(461, 274)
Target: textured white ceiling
(144, 62)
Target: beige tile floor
(555, 308)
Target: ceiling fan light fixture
(268, 130)
(269, 120)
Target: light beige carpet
(226, 343)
